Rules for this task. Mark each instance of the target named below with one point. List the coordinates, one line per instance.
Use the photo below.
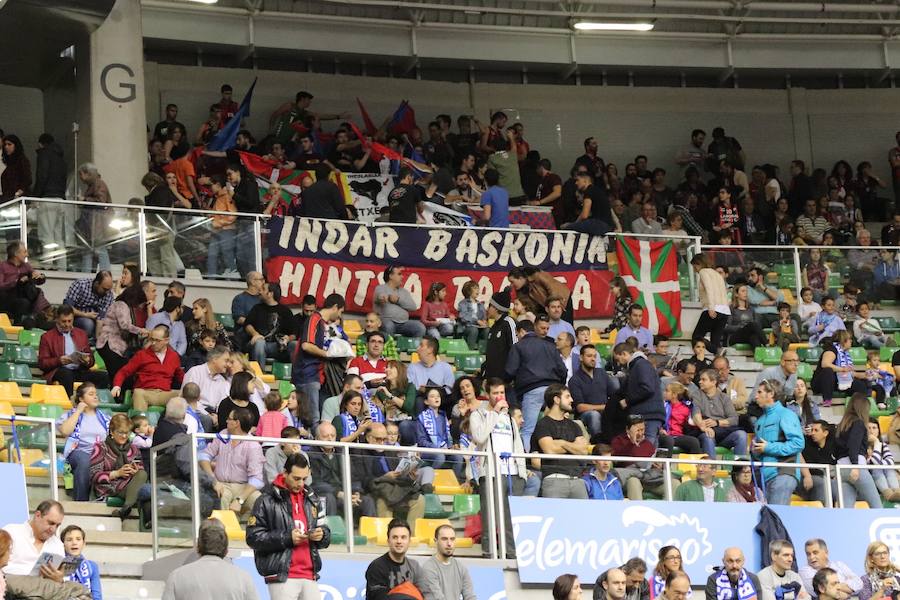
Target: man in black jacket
(50, 171)
(641, 392)
(501, 337)
(246, 200)
(327, 467)
(286, 534)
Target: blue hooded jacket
(780, 427)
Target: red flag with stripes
(650, 270)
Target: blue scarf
(465, 443)
(201, 442)
(349, 424)
(374, 411)
(745, 589)
(658, 585)
(842, 359)
(432, 423)
(72, 440)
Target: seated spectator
(807, 308)
(270, 327)
(371, 367)
(212, 377)
(779, 438)
(243, 302)
(636, 586)
(862, 262)
(82, 426)
(116, 467)
(436, 315)
(590, 388)
(881, 380)
(639, 476)
(236, 466)
(763, 298)
(221, 248)
(393, 303)
(371, 325)
(647, 223)
(88, 572)
(273, 421)
(685, 374)
(155, 368)
(34, 537)
(849, 583)
(812, 224)
(204, 319)
(198, 356)
(123, 329)
(851, 447)
(327, 470)
(742, 326)
(601, 481)
(65, 356)
(815, 273)
(882, 575)
(634, 328)
(430, 371)
(743, 487)
(732, 385)
(472, 315)
(784, 374)
(433, 431)
(382, 480)
(170, 317)
(678, 421)
(398, 396)
(786, 329)
(825, 324)
(733, 580)
(802, 404)
(310, 357)
(641, 391)
(621, 306)
(90, 298)
(835, 369)
(242, 386)
(20, 296)
(557, 323)
(866, 330)
(554, 433)
(818, 449)
(700, 359)
(705, 488)
(886, 278)
(714, 415)
(277, 455)
(779, 580)
(352, 422)
(668, 561)
(331, 406)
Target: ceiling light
(595, 26)
(204, 1)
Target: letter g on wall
(127, 91)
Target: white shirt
(24, 555)
(502, 440)
(213, 388)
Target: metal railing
(53, 472)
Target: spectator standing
(92, 222)
(393, 567)
(246, 200)
(15, 179)
(595, 216)
(322, 200)
(501, 336)
(590, 388)
(236, 466)
(714, 299)
(557, 434)
(733, 580)
(170, 317)
(212, 576)
(533, 364)
(405, 202)
(82, 426)
(65, 356)
(444, 577)
(50, 170)
(495, 201)
(156, 368)
(34, 537)
(308, 370)
(393, 303)
(779, 580)
(90, 298)
(162, 129)
(779, 438)
(286, 533)
(642, 393)
(270, 327)
(693, 155)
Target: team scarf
(465, 443)
(374, 412)
(72, 440)
(657, 587)
(745, 589)
(349, 424)
(844, 380)
(430, 419)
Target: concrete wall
(819, 126)
(22, 114)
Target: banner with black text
(309, 256)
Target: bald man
(724, 583)
(784, 373)
(327, 470)
(678, 586)
(614, 584)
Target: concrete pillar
(116, 113)
(802, 136)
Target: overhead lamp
(204, 1)
(598, 26)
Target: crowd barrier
(31, 446)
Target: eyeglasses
(881, 553)
(672, 557)
(377, 440)
(121, 433)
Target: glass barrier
(32, 442)
(173, 476)
(11, 221)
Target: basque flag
(650, 270)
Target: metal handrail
(51, 443)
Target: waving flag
(226, 138)
(650, 270)
(367, 120)
(403, 120)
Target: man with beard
(444, 577)
(557, 434)
(393, 567)
(732, 581)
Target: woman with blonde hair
(882, 577)
(205, 318)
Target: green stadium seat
(804, 371)
(767, 355)
(810, 355)
(887, 353)
(453, 346)
(285, 388)
(31, 337)
(44, 411)
(407, 344)
(889, 324)
(281, 371)
(19, 373)
(339, 531)
(115, 502)
(99, 363)
(5, 340)
(470, 364)
(434, 509)
(858, 355)
(741, 347)
(885, 303)
(465, 505)
(26, 355)
(787, 281)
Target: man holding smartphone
(286, 532)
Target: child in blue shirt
(601, 482)
(87, 573)
(433, 431)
